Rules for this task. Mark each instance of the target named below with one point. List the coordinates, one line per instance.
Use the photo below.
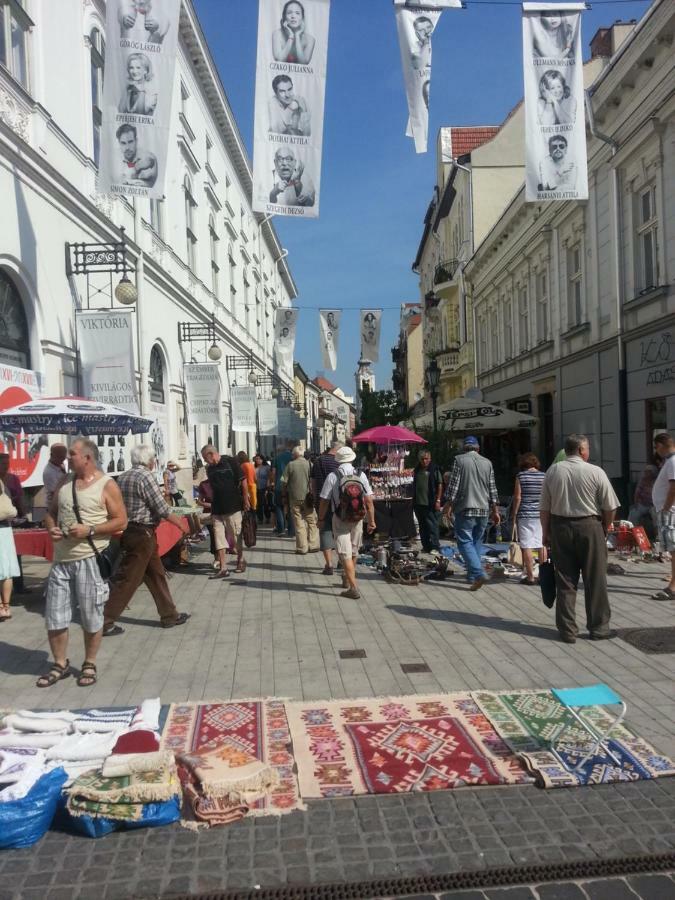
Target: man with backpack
(350, 497)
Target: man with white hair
(140, 562)
(297, 481)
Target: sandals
(241, 567)
(56, 673)
(221, 573)
(87, 676)
(526, 580)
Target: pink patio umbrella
(388, 434)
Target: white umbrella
(465, 416)
(71, 415)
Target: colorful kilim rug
(121, 797)
(256, 728)
(527, 720)
(397, 744)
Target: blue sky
(375, 189)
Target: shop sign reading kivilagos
(202, 390)
(106, 350)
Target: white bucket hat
(345, 455)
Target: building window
(14, 336)
(14, 27)
(542, 306)
(494, 338)
(190, 235)
(508, 329)
(213, 242)
(647, 274)
(575, 313)
(482, 344)
(96, 58)
(523, 319)
(156, 375)
(157, 216)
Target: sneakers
(665, 594)
(477, 584)
(327, 570)
(351, 594)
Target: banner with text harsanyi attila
(289, 99)
(140, 59)
(555, 127)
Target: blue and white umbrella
(71, 415)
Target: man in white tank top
(75, 576)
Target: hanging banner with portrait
(268, 420)
(289, 99)
(555, 125)
(202, 393)
(285, 325)
(140, 59)
(415, 23)
(244, 401)
(370, 334)
(329, 325)
(105, 344)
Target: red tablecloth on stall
(33, 542)
(168, 536)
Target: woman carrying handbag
(9, 564)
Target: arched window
(190, 235)
(156, 375)
(14, 336)
(97, 60)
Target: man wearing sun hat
(347, 529)
(472, 494)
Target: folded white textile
(82, 748)
(147, 715)
(129, 763)
(10, 739)
(104, 720)
(65, 714)
(34, 724)
(16, 762)
(20, 788)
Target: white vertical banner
(555, 126)
(329, 324)
(243, 398)
(289, 99)
(370, 334)
(106, 350)
(202, 392)
(416, 22)
(285, 325)
(268, 420)
(140, 59)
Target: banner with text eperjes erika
(105, 344)
(555, 125)
(140, 59)
(289, 100)
(329, 325)
(202, 393)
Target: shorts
(79, 581)
(529, 534)
(347, 536)
(225, 527)
(326, 539)
(666, 531)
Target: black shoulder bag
(109, 559)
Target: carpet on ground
(527, 720)
(121, 797)
(397, 744)
(240, 734)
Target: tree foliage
(378, 408)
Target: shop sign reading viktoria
(106, 350)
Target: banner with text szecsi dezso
(140, 59)
(105, 344)
(289, 100)
(202, 392)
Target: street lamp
(193, 332)
(252, 377)
(433, 379)
(92, 259)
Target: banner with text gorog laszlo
(289, 99)
(140, 58)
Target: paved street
(277, 631)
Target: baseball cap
(471, 441)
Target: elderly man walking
(297, 484)
(230, 499)
(146, 507)
(323, 466)
(663, 495)
(472, 494)
(86, 510)
(577, 507)
(427, 491)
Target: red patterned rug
(254, 727)
(393, 745)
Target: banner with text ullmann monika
(202, 393)
(106, 351)
(289, 99)
(140, 58)
(555, 125)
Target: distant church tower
(364, 376)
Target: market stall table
(33, 542)
(168, 536)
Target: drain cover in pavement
(414, 668)
(352, 654)
(650, 640)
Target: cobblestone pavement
(277, 631)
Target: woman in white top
(9, 564)
(555, 105)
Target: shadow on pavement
(467, 618)
(20, 661)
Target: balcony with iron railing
(445, 271)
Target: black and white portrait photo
(143, 20)
(140, 95)
(291, 42)
(292, 186)
(288, 112)
(137, 167)
(553, 36)
(420, 51)
(556, 105)
(330, 320)
(556, 171)
(369, 328)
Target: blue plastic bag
(23, 822)
(154, 815)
